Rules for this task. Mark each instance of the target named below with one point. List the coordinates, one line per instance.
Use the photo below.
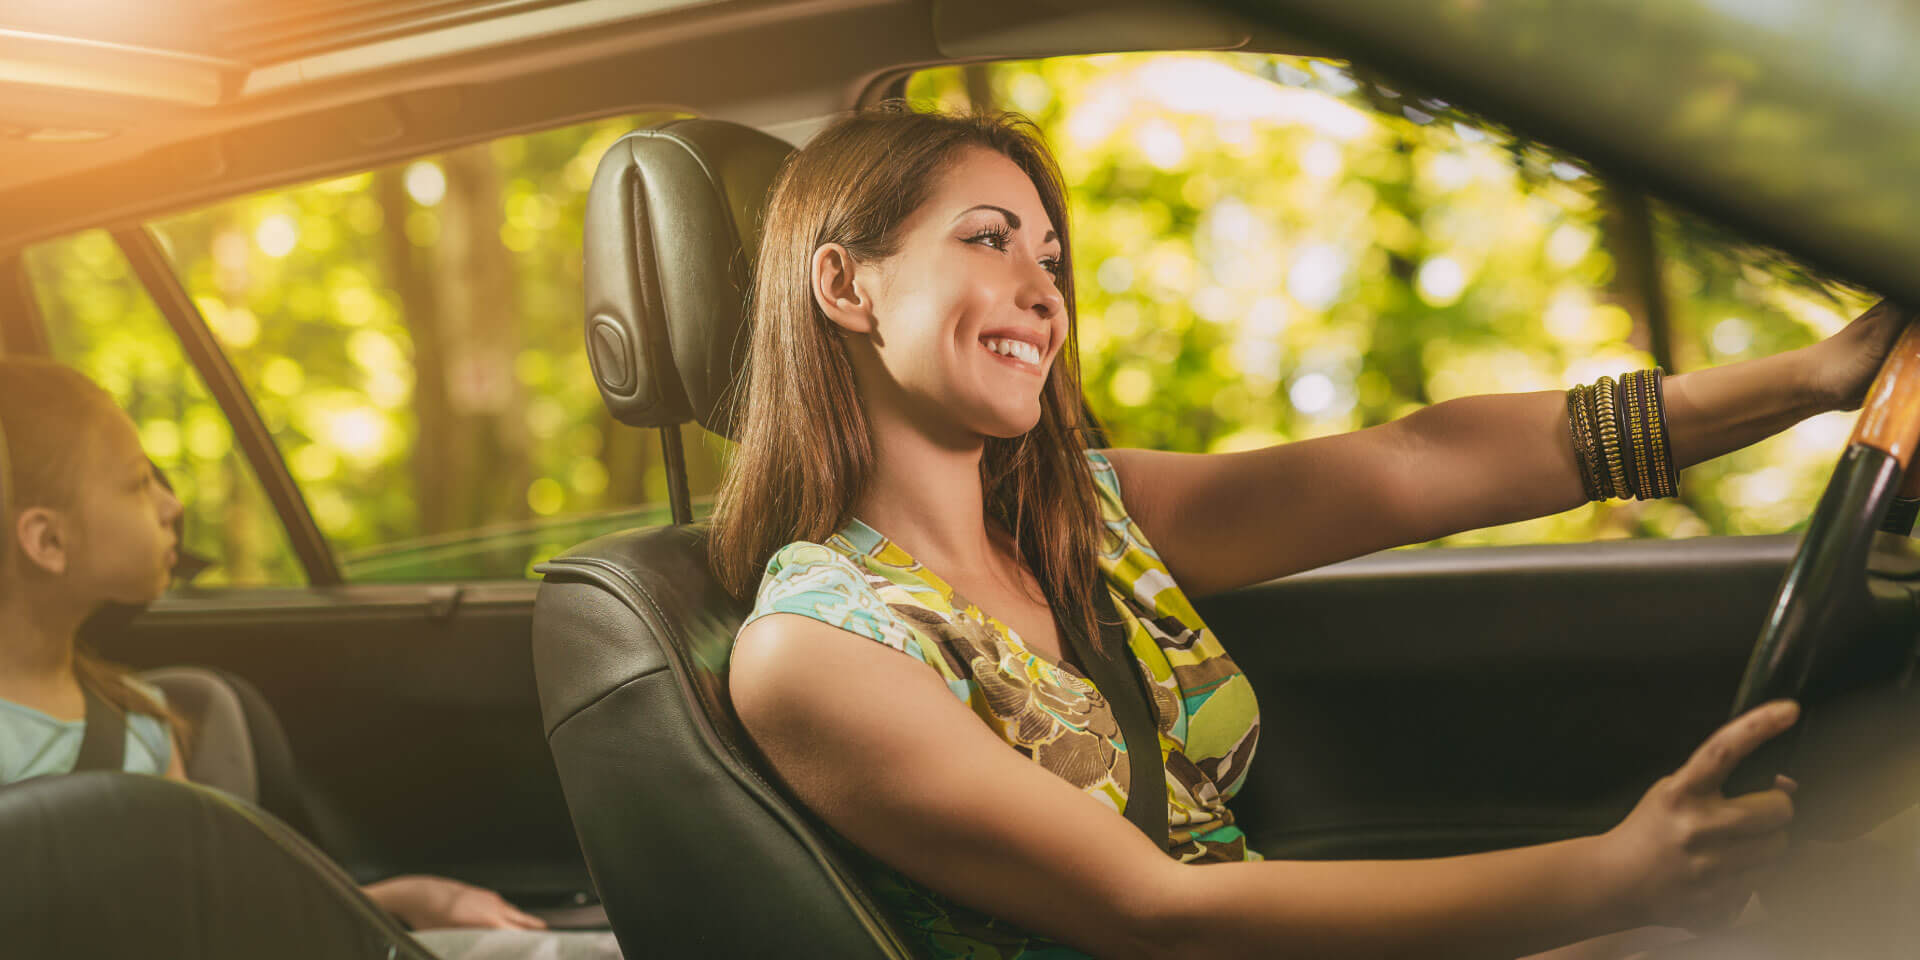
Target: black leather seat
(125, 865)
(695, 852)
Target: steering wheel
(1840, 634)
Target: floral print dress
(860, 581)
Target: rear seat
(238, 744)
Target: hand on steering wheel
(1837, 627)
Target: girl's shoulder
(157, 695)
(34, 743)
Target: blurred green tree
(1266, 248)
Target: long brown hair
(46, 411)
(804, 453)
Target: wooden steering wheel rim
(1890, 417)
(1824, 602)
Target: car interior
(568, 741)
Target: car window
(412, 338)
(100, 320)
(1274, 248)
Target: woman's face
(122, 546)
(967, 315)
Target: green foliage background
(1267, 249)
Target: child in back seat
(85, 525)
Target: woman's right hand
(1689, 855)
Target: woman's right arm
(875, 744)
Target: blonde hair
(804, 453)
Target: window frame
(250, 433)
(26, 334)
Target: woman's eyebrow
(1013, 219)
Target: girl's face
(967, 316)
(121, 541)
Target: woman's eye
(996, 239)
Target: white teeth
(1015, 348)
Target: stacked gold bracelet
(1619, 433)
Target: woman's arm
(874, 743)
(1221, 521)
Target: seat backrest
(237, 742)
(220, 752)
(694, 849)
(106, 864)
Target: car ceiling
(482, 71)
(252, 31)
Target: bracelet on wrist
(1618, 430)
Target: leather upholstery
(671, 220)
(694, 850)
(107, 864)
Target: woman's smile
(1018, 354)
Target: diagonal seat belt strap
(1121, 681)
(104, 744)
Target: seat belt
(104, 744)
(1120, 680)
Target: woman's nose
(1041, 293)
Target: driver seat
(692, 847)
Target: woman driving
(914, 477)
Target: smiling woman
(914, 477)
(801, 405)
(1334, 252)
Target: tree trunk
(1628, 225)
(410, 275)
(479, 341)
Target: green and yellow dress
(860, 581)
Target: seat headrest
(672, 225)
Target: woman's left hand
(1842, 367)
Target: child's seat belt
(104, 744)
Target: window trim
(22, 332)
(169, 294)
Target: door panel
(1414, 703)
(1423, 703)
(412, 715)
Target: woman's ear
(841, 297)
(42, 535)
